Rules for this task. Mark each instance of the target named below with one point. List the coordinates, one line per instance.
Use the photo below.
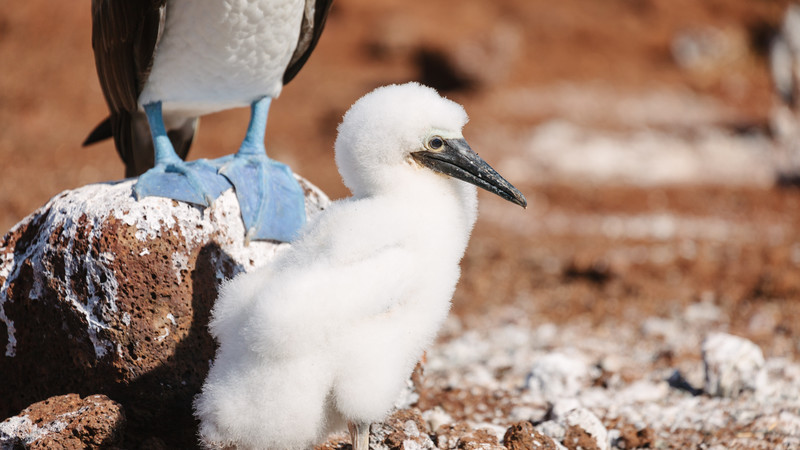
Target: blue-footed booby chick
(163, 63)
(328, 332)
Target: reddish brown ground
(50, 99)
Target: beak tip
(521, 200)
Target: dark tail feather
(100, 133)
(134, 144)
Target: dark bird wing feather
(125, 35)
(310, 31)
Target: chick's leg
(359, 434)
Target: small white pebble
(732, 365)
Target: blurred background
(638, 129)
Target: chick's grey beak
(457, 160)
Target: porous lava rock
(66, 422)
(523, 436)
(404, 429)
(462, 436)
(584, 431)
(100, 293)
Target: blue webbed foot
(194, 182)
(271, 200)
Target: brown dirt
(580, 273)
(557, 271)
(50, 97)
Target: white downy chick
(329, 331)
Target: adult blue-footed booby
(164, 63)
(329, 330)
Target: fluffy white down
(331, 329)
(406, 120)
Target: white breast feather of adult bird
(164, 63)
(326, 335)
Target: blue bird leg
(270, 198)
(164, 153)
(193, 182)
(253, 143)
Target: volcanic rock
(462, 436)
(100, 293)
(65, 421)
(575, 428)
(585, 431)
(403, 430)
(523, 436)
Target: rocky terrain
(649, 297)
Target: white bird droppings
(84, 212)
(23, 429)
(163, 335)
(558, 375)
(585, 420)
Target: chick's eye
(435, 143)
